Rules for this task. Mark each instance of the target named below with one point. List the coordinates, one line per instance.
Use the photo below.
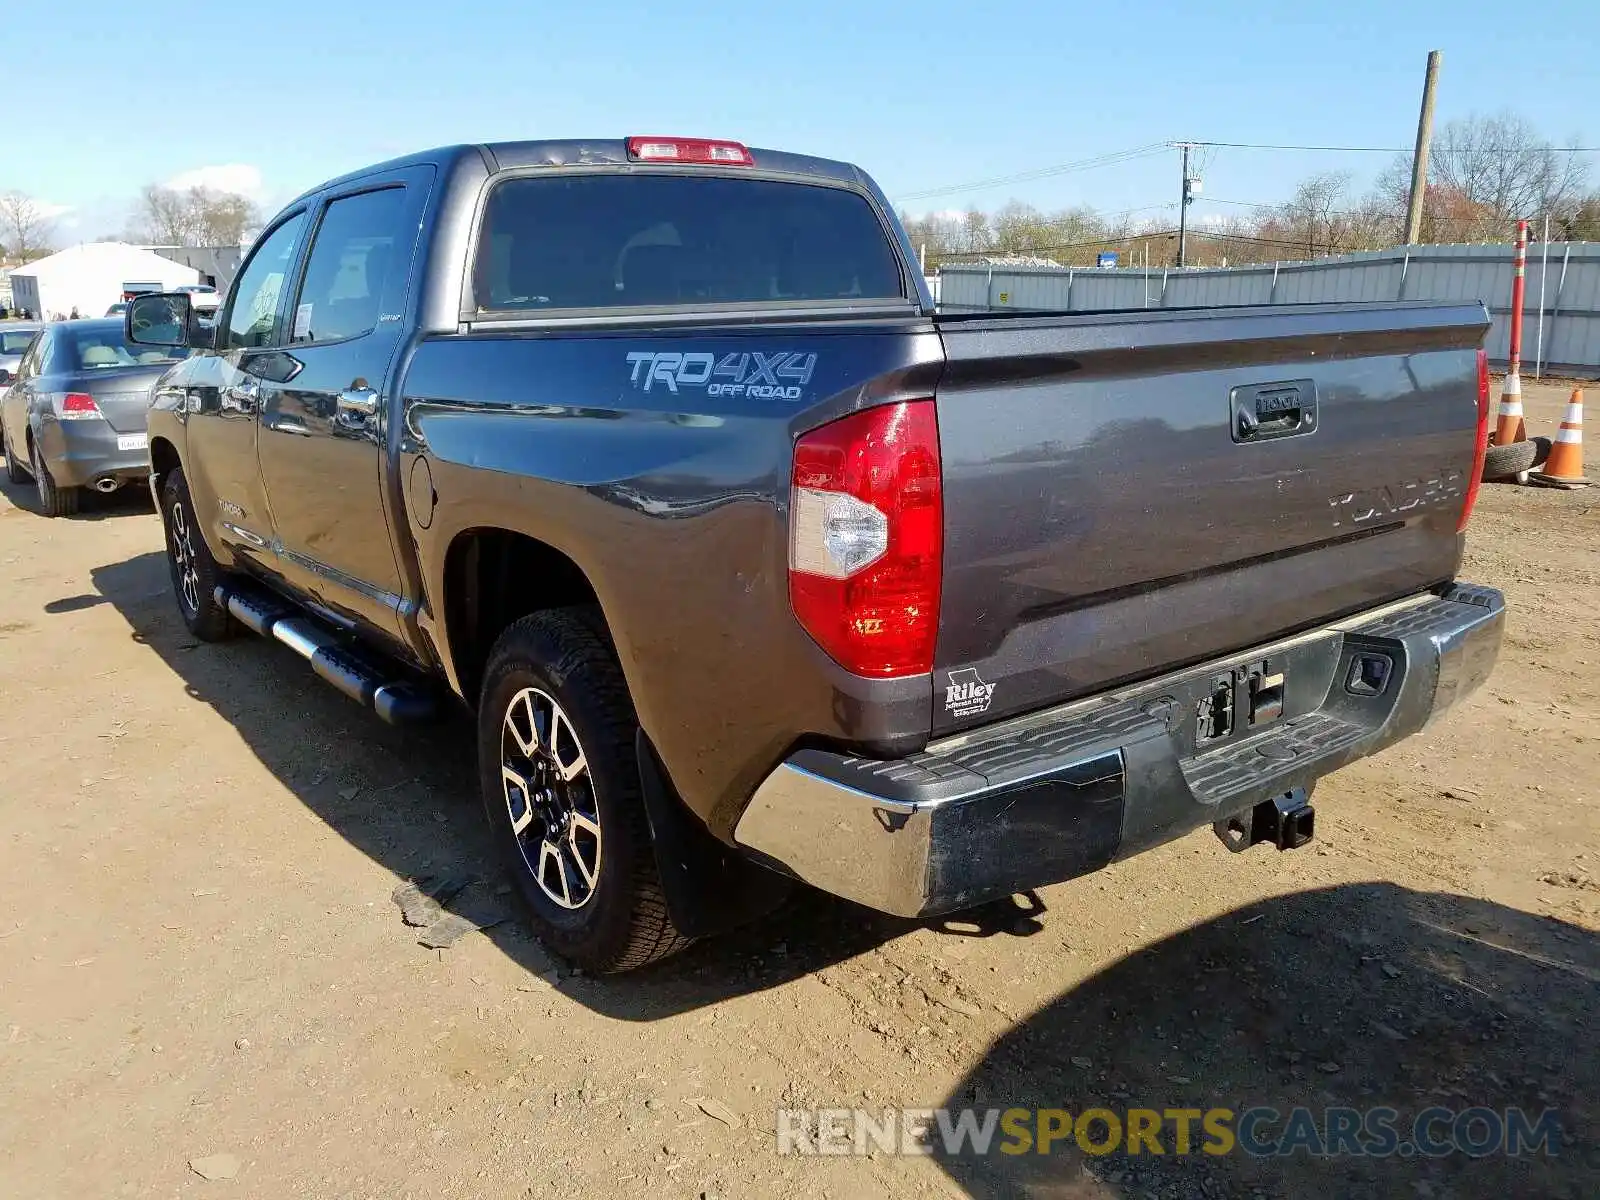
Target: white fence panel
(1571, 296)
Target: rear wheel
(560, 787)
(54, 500)
(14, 469)
(194, 572)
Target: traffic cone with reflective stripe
(1510, 427)
(1564, 467)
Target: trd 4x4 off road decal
(760, 376)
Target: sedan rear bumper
(1057, 794)
(80, 452)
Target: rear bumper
(79, 452)
(1052, 795)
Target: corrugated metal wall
(1571, 290)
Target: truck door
(323, 430)
(222, 391)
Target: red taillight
(689, 150)
(1476, 478)
(866, 538)
(75, 406)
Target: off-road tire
(203, 616)
(54, 500)
(624, 924)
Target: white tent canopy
(90, 278)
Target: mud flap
(709, 887)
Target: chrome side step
(396, 700)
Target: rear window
(105, 348)
(612, 241)
(15, 341)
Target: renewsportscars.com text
(1261, 1132)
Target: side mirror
(161, 319)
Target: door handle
(362, 401)
(1249, 423)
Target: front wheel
(194, 572)
(560, 787)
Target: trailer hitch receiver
(1287, 821)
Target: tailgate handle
(1272, 410)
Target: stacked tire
(1515, 459)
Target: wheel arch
(494, 576)
(163, 461)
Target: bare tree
(1584, 223)
(1312, 217)
(196, 217)
(163, 218)
(1486, 172)
(24, 226)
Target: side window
(356, 253)
(37, 349)
(253, 312)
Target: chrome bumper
(1052, 795)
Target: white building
(90, 278)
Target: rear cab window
(636, 240)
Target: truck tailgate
(1129, 492)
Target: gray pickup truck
(755, 567)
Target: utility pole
(1183, 206)
(1419, 160)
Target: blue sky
(271, 98)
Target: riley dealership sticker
(967, 695)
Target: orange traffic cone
(1564, 467)
(1510, 427)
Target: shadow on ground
(408, 800)
(1359, 996)
(128, 500)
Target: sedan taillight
(76, 406)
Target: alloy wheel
(183, 558)
(550, 798)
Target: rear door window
(352, 259)
(643, 241)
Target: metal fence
(1561, 313)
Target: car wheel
(54, 500)
(14, 468)
(560, 785)
(194, 571)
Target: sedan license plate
(132, 441)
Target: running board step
(393, 698)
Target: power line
(1482, 219)
(1393, 149)
(1067, 168)
(1103, 241)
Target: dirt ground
(199, 955)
